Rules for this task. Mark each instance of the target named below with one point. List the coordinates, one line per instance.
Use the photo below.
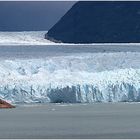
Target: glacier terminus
(50, 75)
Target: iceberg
(81, 78)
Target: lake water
(39, 51)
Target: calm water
(56, 50)
(119, 120)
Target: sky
(31, 15)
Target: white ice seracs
(102, 77)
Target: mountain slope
(99, 22)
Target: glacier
(75, 78)
(24, 38)
(62, 72)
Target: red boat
(4, 104)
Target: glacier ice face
(99, 77)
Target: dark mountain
(31, 15)
(99, 22)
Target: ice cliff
(99, 77)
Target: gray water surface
(99, 120)
(37, 51)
